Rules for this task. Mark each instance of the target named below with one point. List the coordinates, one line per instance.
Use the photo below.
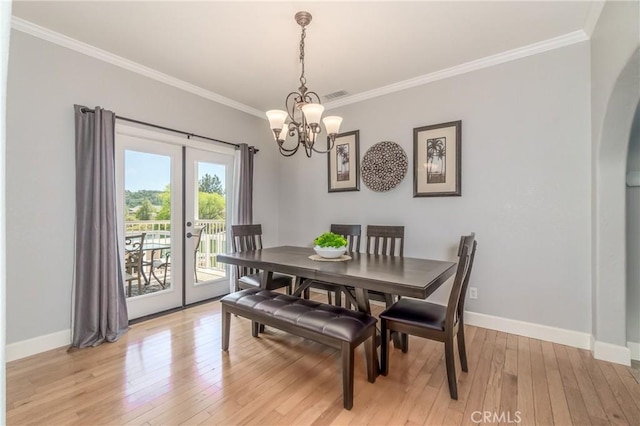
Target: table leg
(362, 299)
(301, 285)
(265, 277)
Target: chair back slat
(384, 239)
(351, 233)
(133, 258)
(246, 238)
(455, 305)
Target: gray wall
(633, 237)
(45, 80)
(525, 184)
(615, 91)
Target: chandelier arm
(288, 153)
(333, 141)
(308, 150)
(309, 97)
(285, 149)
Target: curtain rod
(188, 134)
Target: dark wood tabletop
(405, 276)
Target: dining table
(361, 272)
(358, 272)
(148, 246)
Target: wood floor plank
(620, 392)
(493, 389)
(610, 406)
(541, 398)
(630, 382)
(559, 407)
(480, 379)
(575, 402)
(526, 406)
(509, 391)
(171, 370)
(589, 394)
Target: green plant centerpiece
(330, 245)
(329, 239)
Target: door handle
(189, 235)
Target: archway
(609, 267)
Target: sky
(151, 171)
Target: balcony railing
(212, 242)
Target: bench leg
(372, 362)
(347, 375)
(255, 328)
(226, 325)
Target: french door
(208, 181)
(172, 202)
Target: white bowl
(330, 252)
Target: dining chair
(163, 261)
(387, 241)
(433, 321)
(197, 239)
(249, 237)
(352, 234)
(384, 240)
(133, 258)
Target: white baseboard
(563, 336)
(38, 344)
(612, 353)
(601, 350)
(634, 347)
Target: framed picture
(437, 160)
(343, 162)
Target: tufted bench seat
(331, 325)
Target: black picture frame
(437, 160)
(343, 163)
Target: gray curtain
(244, 210)
(100, 308)
(243, 188)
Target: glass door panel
(149, 202)
(207, 205)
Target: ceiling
(248, 51)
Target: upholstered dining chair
(432, 321)
(249, 237)
(352, 234)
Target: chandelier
(303, 111)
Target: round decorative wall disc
(384, 166)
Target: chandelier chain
(303, 80)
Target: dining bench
(334, 326)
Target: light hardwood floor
(171, 370)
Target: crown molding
(595, 10)
(489, 61)
(73, 44)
